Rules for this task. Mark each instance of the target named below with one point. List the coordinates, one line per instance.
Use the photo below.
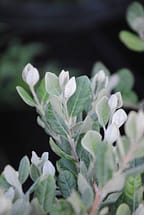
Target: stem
(38, 105)
(97, 200)
(73, 149)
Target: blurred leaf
(123, 209)
(81, 98)
(45, 192)
(132, 41)
(99, 66)
(116, 184)
(135, 16)
(133, 184)
(77, 204)
(126, 80)
(25, 96)
(86, 191)
(66, 182)
(21, 207)
(24, 168)
(62, 207)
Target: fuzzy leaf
(90, 141)
(52, 84)
(25, 96)
(86, 191)
(56, 122)
(65, 164)
(59, 152)
(21, 207)
(66, 182)
(24, 169)
(130, 126)
(45, 192)
(81, 98)
(103, 111)
(116, 184)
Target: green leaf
(42, 93)
(81, 98)
(25, 96)
(56, 123)
(52, 84)
(135, 16)
(3, 183)
(62, 207)
(77, 204)
(132, 41)
(45, 192)
(58, 151)
(86, 191)
(103, 111)
(65, 164)
(133, 184)
(24, 169)
(104, 163)
(34, 172)
(116, 184)
(130, 126)
(123, 209)
(126, 81)
(90, 141)
(99, 66)
(66, 182)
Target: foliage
(135, 19)
(100, 146)
(97, 166)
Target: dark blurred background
(55, 35)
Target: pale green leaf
(25, 96)
(66, 182)
(81, 98)
(86, 191)
(45, 192)
(130, 126)
(52, 84)
(90, 141)
(55, 121)
(103, 111)
(59, 152)
(24, 169)
(116, 184)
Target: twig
(97, 200)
